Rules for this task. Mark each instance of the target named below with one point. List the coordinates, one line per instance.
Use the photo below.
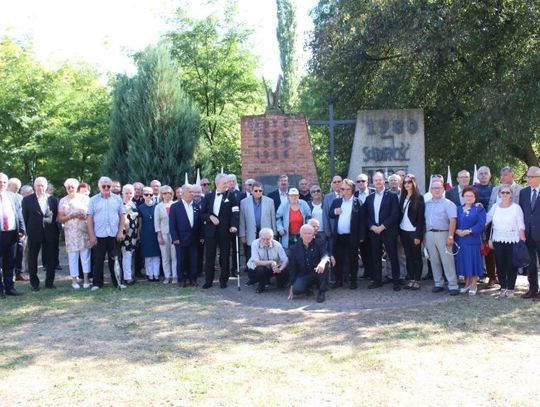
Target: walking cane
(237, 262)
(118, 272)
(117, 268)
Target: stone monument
(389, 140)
(275, 144)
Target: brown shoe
(529, 294)
(20, 277)
(492, 283)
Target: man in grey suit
(327, 203)
(507, 178)
(11, 229)
(256, 212)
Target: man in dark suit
(184, 226)
(219, 212)
(328, 224)
(363, 190)
(350, 231)
(454, 194)
(39, 212)
(382, 208)
(529, 202)
(282, 193)
(308, 264)
(232, 184)
(11, 230)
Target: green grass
(174, 346)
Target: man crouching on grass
(308, 264)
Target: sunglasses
(257, 190)
(205, 184)
(360, 180)
(106, 186)
(148, 194)
(318, 191)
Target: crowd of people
(295, 238)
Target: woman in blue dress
(471, 219)
(149, 242)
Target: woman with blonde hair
(72, 214)
(508, 228)
(161, 224)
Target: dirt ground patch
(162, 345)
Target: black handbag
(520, 255)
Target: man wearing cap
(267, 259)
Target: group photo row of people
(295, 237)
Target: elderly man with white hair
(105, 223)
(267, 259)
(14, 185)
(308, 265)
(220, 215)
(11, 229)
(39, 212)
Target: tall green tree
(160, 127)
(116, 159)
(53, 122)
(286, 36)
(218, 71)
(473, 66)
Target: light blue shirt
(106, 214)
(439, 212)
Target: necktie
(533, 199)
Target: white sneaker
(75, 286)
(94, 288)
(465, 290)
(503, 293)
(87, 285)
(166, 281)
(122, 286)
(509, 293)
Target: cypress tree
(286, 36)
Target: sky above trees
(105, 33)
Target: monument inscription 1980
(389, 140)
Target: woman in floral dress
(131, 232)
(72, 214)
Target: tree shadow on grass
(152, 324)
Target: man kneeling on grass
(308, 264)
(267, 259)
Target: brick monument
(274, 144)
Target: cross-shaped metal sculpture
(331, 122)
